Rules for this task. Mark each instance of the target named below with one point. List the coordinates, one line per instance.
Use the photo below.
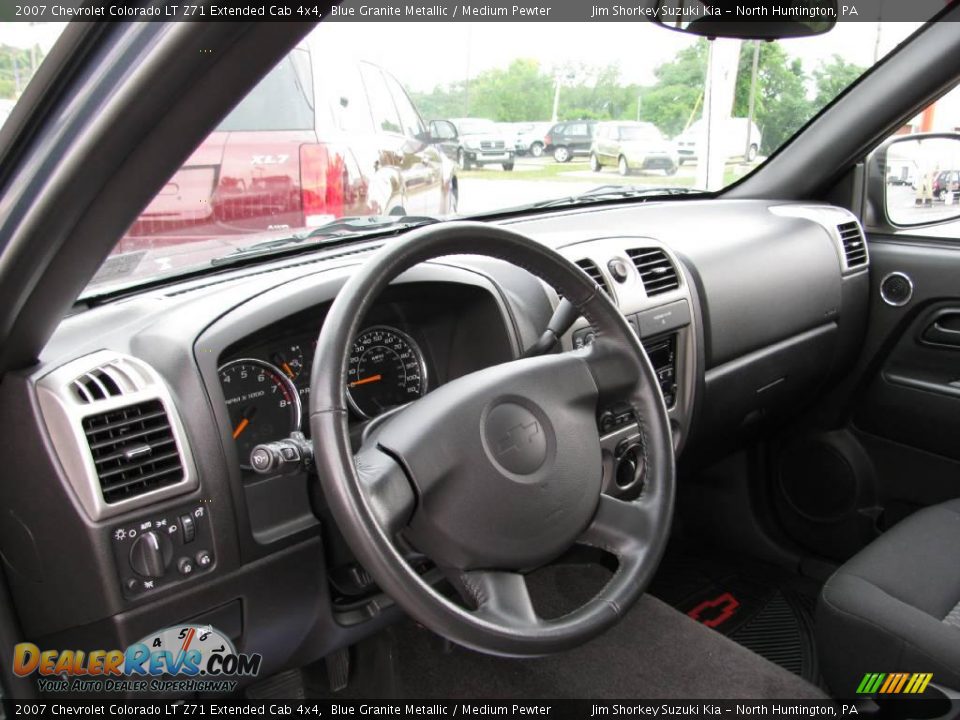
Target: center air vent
(854, 245)
(656, 271)
(591, 269)
(133, 450)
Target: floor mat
(764, 608)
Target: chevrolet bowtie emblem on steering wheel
(517, 437)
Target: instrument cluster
(266, 392)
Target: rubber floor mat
(764, 608)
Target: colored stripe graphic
(894, 683)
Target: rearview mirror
(921, 176)
(732, 19)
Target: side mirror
(441, 130)
(916, 179)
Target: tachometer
(262, 402)
(386, 369)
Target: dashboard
(146, 410)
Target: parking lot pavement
(478, 196)
(903, 209)
(492, 188)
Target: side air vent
(117, 433)
(591, 269)
(133, 450)
(656, 271)
(111, 380)
(854, 245)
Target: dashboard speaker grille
(656, 271)
(133, 450)
(854, 245)
(591, 269)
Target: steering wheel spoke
(624, 529)
(612, 362)
(501, 596)
(386, 489)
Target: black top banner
(581, 11)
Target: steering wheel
(498, 472)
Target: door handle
(944, 330)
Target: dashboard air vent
(591, 269)
(854, 245)
(133, 449)
(656, 271)
(110, 380)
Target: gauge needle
(287, 370)
(240, 428)
(372, 378)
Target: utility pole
(556, 93)
(466, 82)
(753, 97)
(16, 73)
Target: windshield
(360, 122)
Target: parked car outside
(946, 185)
(482, 142)
(732, 134)
(304, 148)
(566, 140)
(528, 137)
(630, 146)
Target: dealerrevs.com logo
(182, 658)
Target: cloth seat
(895, 606)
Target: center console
(647, 283)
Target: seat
(895, 606)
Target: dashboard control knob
(618, 269)
(629, 465)
(185, 566)
(150, 555)
(283, 456)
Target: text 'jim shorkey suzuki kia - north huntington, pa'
(483, 366)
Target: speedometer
(262, 402)
(386, 369)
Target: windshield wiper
(613, 192)
(348, 228)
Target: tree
(674, 101)
(521, 92)
(16, 69)
(832, 78)
(781, 106)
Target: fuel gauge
(290, 360)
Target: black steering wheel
(498, 472)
